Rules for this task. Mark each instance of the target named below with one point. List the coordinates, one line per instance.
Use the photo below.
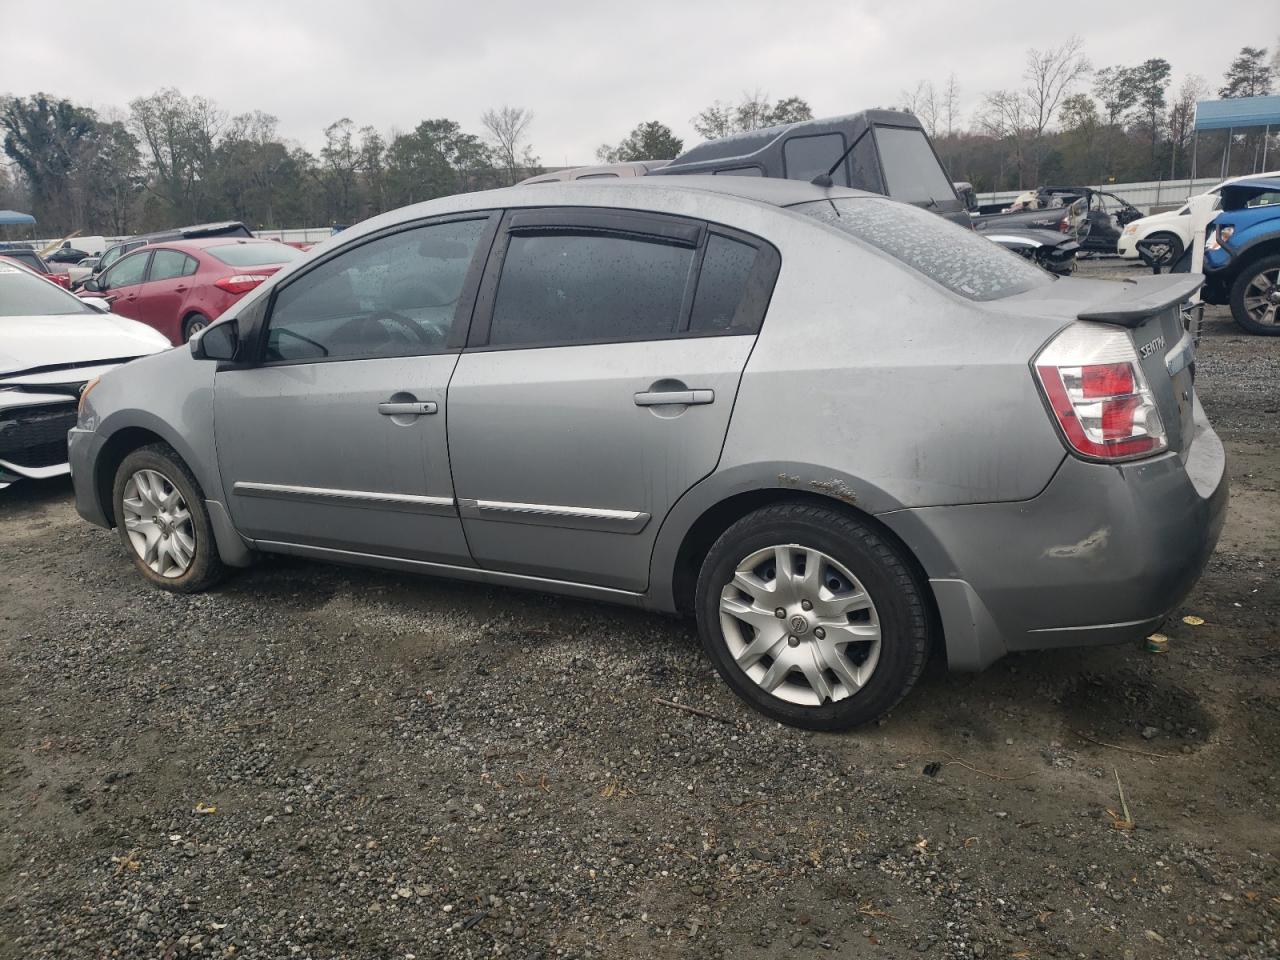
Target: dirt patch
(322, 762)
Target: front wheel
(1255, 297)
(812, 617)
(162, 520)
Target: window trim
(641, 225)
(146, 269)
(256, 337)
(151, 263)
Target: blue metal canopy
(9, 217)
(1237, 113)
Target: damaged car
(836, 430)
(51, 345)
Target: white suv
(1172, 226)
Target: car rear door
(597, 385)
(332, 437)
(122, 284)
(161, 299)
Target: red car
(179, 287)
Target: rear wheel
(1255, 297)
(162, 520)
(193, 325)
(811, 616)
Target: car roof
(1261, 183)
(204, 243)
(768, 190)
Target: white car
(81, 271)
(51, 344)
(1172, 227)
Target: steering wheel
(373, 329)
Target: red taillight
(1098, 395)
(1106, 380)
(240, 283)
(1064, 225)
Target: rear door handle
(656, 398)
(414, 409)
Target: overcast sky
(588, 71)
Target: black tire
(1175, 246)
(206, 567)
(192, 323)
(886, 575)
(1238, 312)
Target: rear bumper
(1102, 555)
(83, 447)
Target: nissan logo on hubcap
(799, 624)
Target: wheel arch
(712, 506)
(118, 445)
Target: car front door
(597, 385)
(121, 285)
(331, 436)
(161, 299)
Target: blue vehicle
(1242, 255)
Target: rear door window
(169, 264)
(721, 303)
(964, 262)
(566, 287)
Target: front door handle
(414, 409)
(656, 398)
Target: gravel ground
(321, 762)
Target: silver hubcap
(1262, 297)
(158, 523)
(800, 625)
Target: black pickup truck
(881, 151)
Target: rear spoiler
(1142, 297)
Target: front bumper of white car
(1127, 246)
(33, 434)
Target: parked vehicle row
(1242, 254)
(51, 344)
(177, 287)
(29, 258)
(480, 387)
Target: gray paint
(868, 386)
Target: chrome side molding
(576, 518)
(404, 502)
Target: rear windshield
(24, 295)
(911, 170)
(964, 262)
(254, 254)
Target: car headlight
(84, 395)
(1224, 234)
(1130, 230)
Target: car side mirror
(92, 284)
(98, 303)
(220, 341)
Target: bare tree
(1182, 118)
(951, 103)
(1007, 115)
(507, 127)
(924, 104)
(1050, 74)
